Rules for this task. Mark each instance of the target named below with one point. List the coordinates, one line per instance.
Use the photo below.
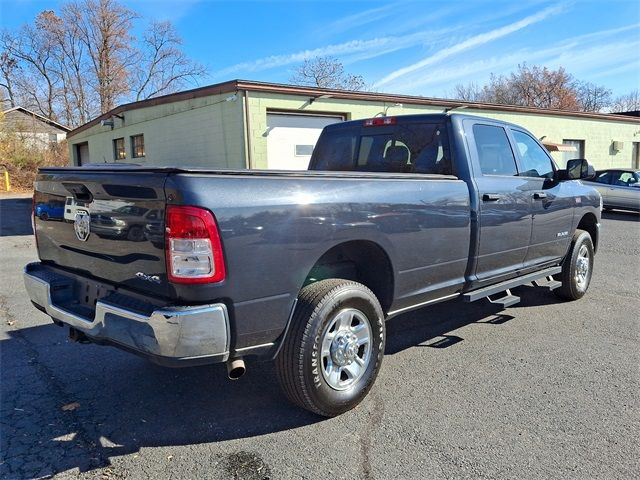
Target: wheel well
(362, 261)
(589, 223)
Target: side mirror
(579, 168)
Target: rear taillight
(194, 250)
(380, 121)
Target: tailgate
(111, 227)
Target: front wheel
(333, 352)
(577, 267)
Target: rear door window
(403, 148)
(604, 177)
(494, 151)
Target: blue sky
(409, 47)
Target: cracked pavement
(543, 389)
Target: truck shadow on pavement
(621, 215)
(116, 404)
(15, 216)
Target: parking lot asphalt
(545, 389)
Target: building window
(635, 155)
(137, 146)
(579, 153)
(304, 150)
(119, 151)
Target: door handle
(539, 195)
(490, 197)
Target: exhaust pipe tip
(236, 368)
(78, 336)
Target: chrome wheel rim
(583, 266)
(346, 348)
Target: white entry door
(291, 138)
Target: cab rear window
(403, 148)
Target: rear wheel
(135, 234)
(577, 267)
(333, 353)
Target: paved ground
(543, 390)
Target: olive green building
(245, 124)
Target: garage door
(290, 139)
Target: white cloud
(588, 57)
(469, 44)
(359, 19)
(359, 49)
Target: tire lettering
(314, 362)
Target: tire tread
(290, 361)
(567, 291)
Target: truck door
(504, 204)
(551, 203)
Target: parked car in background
(125, 222)
(619, 187)
(51, 210)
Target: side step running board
(506, 301)
(541, 278)
(547, 282)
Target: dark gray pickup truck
(192, 267)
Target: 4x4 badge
(82, 225)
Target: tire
(135, 234)
(44, 216)
(335, 321)
(577, 267)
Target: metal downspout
(247, 130)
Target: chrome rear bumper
(168, 335)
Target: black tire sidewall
(321, 393)
(582, 239)
(135, 234)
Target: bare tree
(543, 88)
(163, 68)
(470, 92)
(73, 58)
(34, 48)
(592, 97)
(8, 67)
(326, 72)
(627, 103)
(104, 27)
(538, 87)
(81, 62)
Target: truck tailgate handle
(539, 195)
(490, 197)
